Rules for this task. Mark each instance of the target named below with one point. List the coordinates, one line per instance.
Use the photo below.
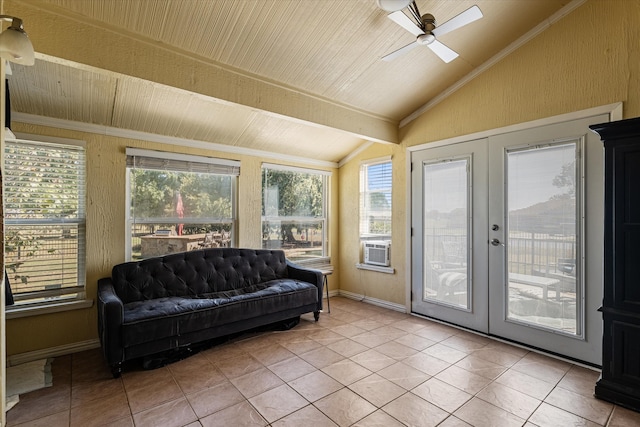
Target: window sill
(16, 312)
(378, 268)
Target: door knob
(496, 242)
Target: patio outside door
(500, 227)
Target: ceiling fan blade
(446, 54)
(468, 16)
(393, 55)
(405, 22)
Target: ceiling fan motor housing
(428, 25)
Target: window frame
(324, 218)
(63, 298)
(218, 166)
(364, 192)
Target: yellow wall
(106, 175)
(587, 59)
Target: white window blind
(375, 199)
(44, 201)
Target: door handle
(496, 242)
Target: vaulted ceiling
(293, 77)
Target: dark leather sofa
(165, 303)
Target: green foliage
(155, 194)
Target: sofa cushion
(194, 273)
(149, 320)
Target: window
(375, 199)
(179, 203)
(294, 211)
(44, 200)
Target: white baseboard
(374, 301)
(45, 353)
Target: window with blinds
(179, 203)
(375, 199)
(44, 208)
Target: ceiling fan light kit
(393, 5)
(427, 32)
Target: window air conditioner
(377, 253)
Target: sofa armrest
(307, 275)
(110, 320)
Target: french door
(507, 236)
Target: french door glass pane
(542, 261)
(446, 232)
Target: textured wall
(587, 59)
(106, 188)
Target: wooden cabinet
(620, 379)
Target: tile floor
(359, 365)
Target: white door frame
(613, 110)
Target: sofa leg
(316, 315)
(116, 370)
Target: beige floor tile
(273, 354)
(481, 367)
(479, 413)
(346, 371)
(404, 375)
(442, 394)
(176, 413)
(464, 380)
(61, 419)
(377, 390)
(348, 330)
(415, 342)
(415, 411)
(550, 416)
(373, 360)
(410, 325)
(445, 353)
(321, 357)
(344, 407)
(453, 421)
(99, 412)
(395, 350)
(580, 380)
(378, 419)
(509, 399)
(463, 344)
(426, 363)
(372, 340)
(233, 368)
(291, 369)
(85, 392)
(497, 356)
(315, 385)
(347, 347)
(307, 416)
(278, 402)
(622, 417)
(435, 332)
(196, 376)
(256, 382)
(299, 347)
(590, 408)
(213, 399)
(526, 384)
(163, 390)
(240, 414)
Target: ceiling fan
(425, 30)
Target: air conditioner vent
(377, 253)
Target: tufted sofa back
(197, 273)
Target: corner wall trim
(62, 350)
